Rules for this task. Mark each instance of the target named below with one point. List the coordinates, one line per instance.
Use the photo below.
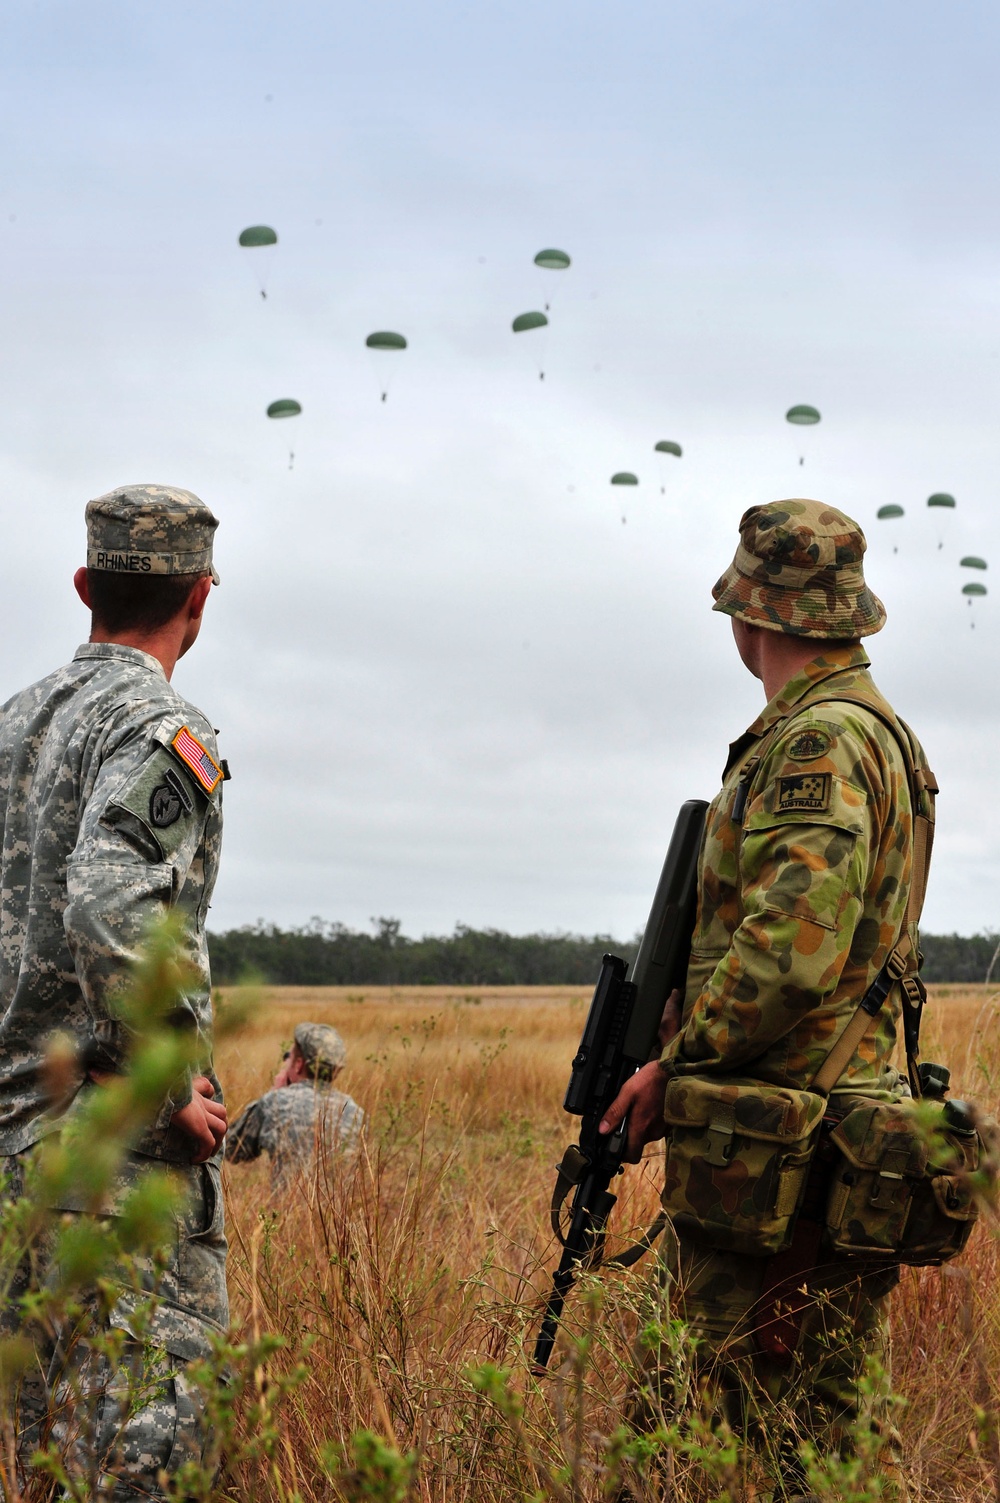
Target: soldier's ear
(198, 596)
(81, 584)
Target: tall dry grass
(430, 1260)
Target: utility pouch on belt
(738, 1155)
(739, 1151)
(901, 1188)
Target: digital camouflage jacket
(802, 897)
(110, 806)
(297, 1125)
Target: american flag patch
(193, 755)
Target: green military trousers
(782, 1362)
(131, 1422)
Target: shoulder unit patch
(808, 745)
(191, 752)
(805, 793)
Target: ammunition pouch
(903, 1189)
(738, 1156)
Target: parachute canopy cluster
(941, 501)
(258, 238)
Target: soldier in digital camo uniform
(803, 883)
(110, 799)
(304, 1123)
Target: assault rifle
(619, 1037)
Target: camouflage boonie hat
(323, 1050)
(798, 569)
(150, 529)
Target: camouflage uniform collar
(824, 666)
(120, 651)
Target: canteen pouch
(901, 1187)
(738, 1155)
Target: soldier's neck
(781, 657)
(165, 645)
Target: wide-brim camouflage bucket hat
(798, 569)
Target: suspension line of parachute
(624, 477)
(941, 501)
(524, 323)
(802, 416)
(388, 342)
(888, 514)
(285, 407)
(666, 446)
(259, 237)
(552, 260)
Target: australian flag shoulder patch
(806, 792)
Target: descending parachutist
(263, 293)
(802, 459)
(623, 521)
(291, 459)
(384, 395)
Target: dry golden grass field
(430, 1261)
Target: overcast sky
(451, 684)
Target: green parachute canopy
(525, 321)
(385, 340)
(258, 234)
(667, 446)
(970, 561)
(886, 513)
(975, 588)
(624, 477)
(802, 416)
(552, 260)
(941, 498)
(285, 407)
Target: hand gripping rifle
(619, 1037)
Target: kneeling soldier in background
(303, 1122)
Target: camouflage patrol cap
(798, 569)
(322, 1049)
(150, 529)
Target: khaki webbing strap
(842, 1053)
(902, 962)
(863, 1021)
(920, 867)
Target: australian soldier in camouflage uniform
(110, 799)
(803, 883)
(304, 1124)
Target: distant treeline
(324, 954)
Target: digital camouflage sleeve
(111, 813)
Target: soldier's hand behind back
(642, 1097)
(204, 1119)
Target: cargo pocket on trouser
(737, 1159)
(190, 1287)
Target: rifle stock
(619, 1037)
